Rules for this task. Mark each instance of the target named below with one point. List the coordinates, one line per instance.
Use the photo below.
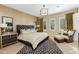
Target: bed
(28, 33)
(34, 40)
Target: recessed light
(57, 6)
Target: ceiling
(34, 9)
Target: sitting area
(68, 38)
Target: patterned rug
(46, 47)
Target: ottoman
(59, 38)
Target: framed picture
(9, 22)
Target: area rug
(46, 47)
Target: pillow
(70, 33)
(27, 31)
(33, 30)
(23, 31)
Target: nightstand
(8, 39)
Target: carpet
(46, 47)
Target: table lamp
(3, 27)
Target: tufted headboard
(19, 27)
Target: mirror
(9, 22)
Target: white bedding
(34, 38)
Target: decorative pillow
(33, 30)
(70, 33)
(27, 31)
(23, 31)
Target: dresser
(8, 39)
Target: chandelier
(44, 11)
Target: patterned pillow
(70, 33)
(23, 31)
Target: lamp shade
(3, 25)
(38, 25)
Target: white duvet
(34, 38)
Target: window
(53, 23)
(63, 23)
